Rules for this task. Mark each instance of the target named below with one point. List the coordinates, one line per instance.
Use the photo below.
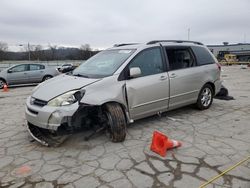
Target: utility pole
(29, 50)
(244, 38)
(188, 33)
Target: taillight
(219, 66)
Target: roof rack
(176, 41)
(124, 44)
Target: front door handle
(163, 77)
(173, 75)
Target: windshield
(103, 64)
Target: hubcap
(206, 97)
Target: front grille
(39, 102)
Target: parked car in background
(26, 74)
(67, 67)
(123, 84)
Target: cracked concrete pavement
(213, 140)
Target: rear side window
(202, 55)
(42, 67)
(36, 67)
(180, 58)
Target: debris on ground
(243, 66)
(223, 94)
(23, 170)
(173, 119)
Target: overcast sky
(102, 23)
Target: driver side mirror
(134, 72)
(9, 71)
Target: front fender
(107, 90)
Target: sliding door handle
(173, 75)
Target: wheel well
(47, 75)
(212, 85)
(3, 79)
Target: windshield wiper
(80, 75)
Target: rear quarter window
(42, 67)
(203, 56)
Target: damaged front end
(52, 121)
(86, 117)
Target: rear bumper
(217, 85)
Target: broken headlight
(64, 99)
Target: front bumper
(45, 137)
(48, 117)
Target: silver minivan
(122, 84)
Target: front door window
(19, 68)
(149, 61)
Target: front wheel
(116, 122)
(205, 98)
(2, 83)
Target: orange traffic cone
(161, 143)
(173, 144)
(5, 88)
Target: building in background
(241, 50)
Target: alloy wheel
(206, 97)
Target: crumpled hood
(59, 85)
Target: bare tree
(3, 49)
(3, 46)
(53, 51)
(85, 47)
(28, 49)
(85, 51)
(37, 52)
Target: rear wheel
(205, 98)
(116, 122)
(47, 77)
(2, 83)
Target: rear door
(148, 93)
(36, 72)
(18, 74)
(185, 76)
